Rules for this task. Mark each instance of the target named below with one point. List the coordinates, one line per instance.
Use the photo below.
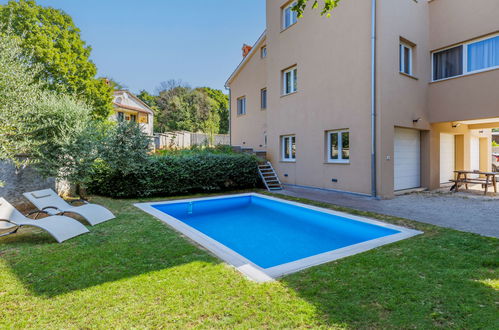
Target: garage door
(407, 159)
(447, 157)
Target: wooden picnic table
(489, 180)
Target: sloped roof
(245, 60)
(129, 107)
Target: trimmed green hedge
(175, 175)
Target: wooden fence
(184, 140)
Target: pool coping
(257, 273)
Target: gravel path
(465, 212)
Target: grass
(135, 271)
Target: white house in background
(130, 108)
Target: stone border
(255, 272)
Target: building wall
(463, 98)
(16, 182)
(322, 48)
(463, 135)
(401, 99)
(334, 68)
(249, 130)
(453, 22)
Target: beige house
(128, 107)
(384, 96)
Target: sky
(141, 43)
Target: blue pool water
(270, 233)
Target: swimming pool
(266, 237)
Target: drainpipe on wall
(374, 190)
(230, 114)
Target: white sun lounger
(60, 227)
(47, 200)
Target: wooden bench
(462, 179)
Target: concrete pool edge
(253, 271)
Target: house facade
(382, 97)
(128, 107)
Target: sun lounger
(47, 200)
(60, 227)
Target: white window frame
(340, 159)
(264, 106)
(241, 111)
(294, 73)
(263, 52)
(465, 58)
(290, 148)
(402, 59)
(293, 19)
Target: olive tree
(52, 132)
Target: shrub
(178, 174)
(196, 150)
(125, 147)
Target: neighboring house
(130, 108)
(309, 93)
(495, 137)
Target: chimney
(246, 50)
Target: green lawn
(135, 271)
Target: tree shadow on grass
(436, 280)
(132, 244)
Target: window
(289, 16)
(467, 58)
(133, 118)
(448, 63)
(288, 145)
(241, 106)
(263, 52)
(121, 116)
(483, 54)
(406, 58)
(263, 98)
(290, 81)
(338, 147)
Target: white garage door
(447, 157)
(407, 159)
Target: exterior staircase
(269, 177)
(265, 169)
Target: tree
(20, 94)
(50, 37)
(70, 140)
(327, 6)
(38, 127)
(114, 84)
(174, 112)
(221, 106)
(179, 107)
(124, 148)
(148, 99)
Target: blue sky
(141, 43)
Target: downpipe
(374, 189)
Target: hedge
(175, 175)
